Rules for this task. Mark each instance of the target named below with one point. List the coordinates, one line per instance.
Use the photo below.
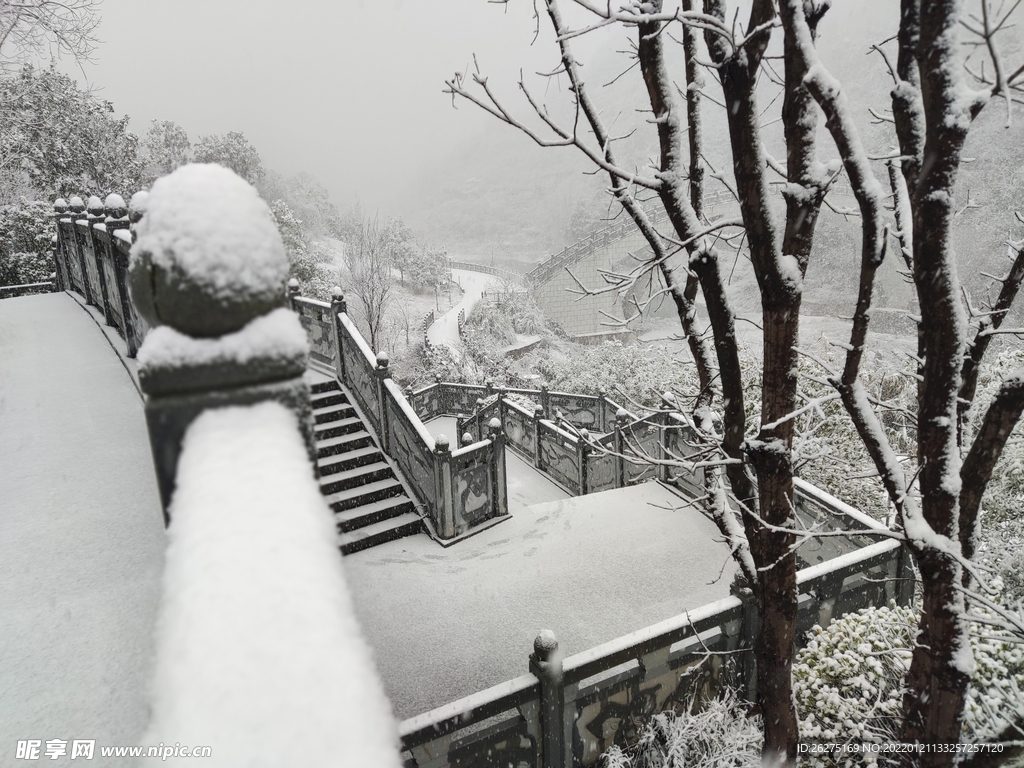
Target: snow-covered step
(324, 386)
(338, 428)
(333, 413)
(356, 477)
(369, 502)
(379, 533)
(374, 512)
(329, 398)
(334, 446)
(365, 494)
(349, 460)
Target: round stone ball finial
(336, 294)
(383, 360)
(441, 442)
(137, 206)
(545, 645)
(293, 285)
(494, 424)
(585, 435)
(467, 438)
(95, 206)
(209, 257)
(115, 207)
(622, 414)
(60, 206)
(76, 205)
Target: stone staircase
(369, 502)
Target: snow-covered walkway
(81, 534)
(445, 623)
(445, 329)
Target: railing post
(538, 414)
(293, 293)
(621, 418)
(602, 409)
(499, 483)
(546, 666)
(445, 506)
(382, 372)
(97, 215)
(545, 398)
(117, 218)
(905, 579)
(60, 209)
(77, 212)
(338, 306)
(582, 456)
(748, 632)
(179, 373)
(663, 453)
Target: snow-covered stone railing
(258, 651)
(91, 254)
(456, 490)
(506, 274)
(588, 444)
(658, 668)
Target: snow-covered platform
(81, 532)
(445, 623)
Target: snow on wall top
(259, 654)
(208, 258)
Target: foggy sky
(349, 90)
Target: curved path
(81, 534)
(445, 329)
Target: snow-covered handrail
(241, 664)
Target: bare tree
(369, 262)
(936, 506)
(28, 27)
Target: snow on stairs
(369, 502)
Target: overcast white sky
(349, 90)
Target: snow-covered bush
(506, 315)
(720, 734)
(640, 373)
(26, 252)
(848, 682)
(1004, 496)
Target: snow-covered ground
(81, 534)
(445, 623)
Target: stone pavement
(81, 533)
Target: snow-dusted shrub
(640, 373)
(510, 313)
(1004, 496)
(720, 734)
(26, 252)
(848, 682)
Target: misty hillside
(502, 197)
